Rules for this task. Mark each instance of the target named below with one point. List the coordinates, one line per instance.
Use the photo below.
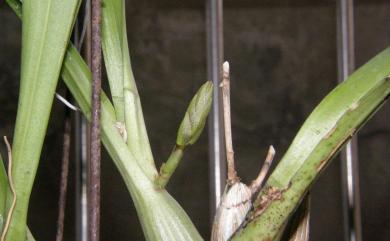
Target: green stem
(122, 84)
(169, 167)
(161, 216)
(111, 44)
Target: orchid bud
(195, 117)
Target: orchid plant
(48, 55)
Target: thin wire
(349, 156)
(81, 129)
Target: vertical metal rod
(217, 166)
(95, 152)
(349, 156)
(83, 32)
(81, 177)
(81, 154)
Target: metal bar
(217, 166)
(81, 129)
(82, 28)
(81, 154)
(95, 152)
(349, 156)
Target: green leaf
(195, 117)
(46, 29)
(332, 123)
(16, 7)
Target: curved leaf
(327, 129)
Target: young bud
(195, 117)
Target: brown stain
(321, 165)
(272, 194)
(330, 132)
(323, 162)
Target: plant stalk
(169, 167)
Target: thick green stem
(122, 84)
(112, 44)
(161, 216)
(169, 167)
(328, 128)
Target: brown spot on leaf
(272, 194)
(330, 132)
(323, 163)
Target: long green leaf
(46, 29)
(327, 129)
(123, 88)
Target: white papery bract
(235, 204)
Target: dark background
(283, 62)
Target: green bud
(195, 118)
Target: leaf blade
(45, 34)
(326, 130)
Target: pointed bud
(195, 117)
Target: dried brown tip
(258, 182)
(225, 85)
